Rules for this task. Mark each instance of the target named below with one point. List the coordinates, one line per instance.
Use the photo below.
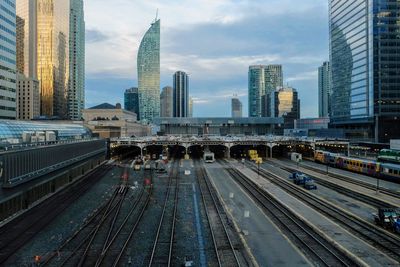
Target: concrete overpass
(228, 142)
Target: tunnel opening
(196, 151)
(125, 152)
(219, 151)
(153, 151)
(177, 152)
(242, 151)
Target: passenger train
(388, 171)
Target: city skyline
(219, 70)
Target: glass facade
(15, 129)
(286, 104)
(364, 53)
(166, 102)
(26, 38)
(324, 90)
(236, 106)
(7, 60)
(53, 29)
(263, 80)
(148, 65)
(181, 94)
(76, 90)
(131, 100)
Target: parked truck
(388, 218)
(304, 180)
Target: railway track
(162, 251)
(223, 247)
(319, 250)
(374, 202)
(18, 232)
(102, 240)
(386, 242)
(353, 181)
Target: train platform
(366, 253)
(395, 201)
(263, 238)
(352, 175)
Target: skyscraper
(274, 78)
(76, 89)
(364, 58)
(324, 90)
(263, 79)
(148, 65)
(8, 60)
(284, 102)
(131, 100)
(191, 102)
(166, 102)
(28, 97)
(181, 94)
(257, 81)
(236, 106)
(53, 30)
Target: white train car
(209, 157)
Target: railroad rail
(223, 246)
(19, 231)
(320, 250)
(374, 202)
(386, 242)
(161, 254)
(366, 185)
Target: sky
(214, 41)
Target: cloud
(214, 41)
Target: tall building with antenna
(148, 67)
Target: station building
(219, 126)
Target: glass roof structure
(14, 129)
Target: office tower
(364, 58)
(131, 100)
(166, 102)
(76, 89)
(190, 115)
(257, 81)
(28, 97)
(27, 37)
(181, 94)
(8, 60)
(274, 78)
(324, 90)
(284, 102)
(236, 108)
(263, 79)
(53, 29)
(148, 65)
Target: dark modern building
(181, 94)
(236, 108)
(364, 56)
(131, 100)
(284, 103)
(324, 90)
(166, 102)
(219, 126)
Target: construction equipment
(388, 218)
(304, 180)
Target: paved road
(266, 242)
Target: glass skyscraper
(324, 90)
(263, 79)
(364, 53)
(166, 102)
(131, 100)
(8, 60)
(284, 103)
(148, 65)
(181, 94)
(236, 108)
(76, 89)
